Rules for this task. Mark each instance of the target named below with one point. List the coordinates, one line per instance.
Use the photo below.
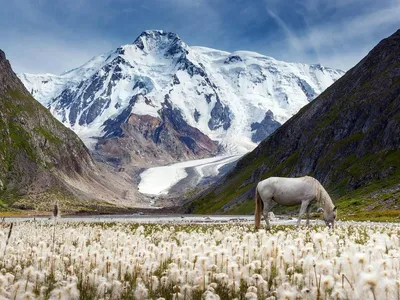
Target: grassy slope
(351, 205)
(16, 143)
(36, 151)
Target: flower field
(76, 260)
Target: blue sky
(51, 36)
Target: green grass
(244, 208)
(327, 119)
(376, 216)
(346, 141)
(48, 135)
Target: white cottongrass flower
(210, 296)
(122, 260)
(327, 282)
(286, 292)
(251, 296)
(141, 292)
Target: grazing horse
(291, 191)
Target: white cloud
(340, 42)
(290, 35)
(350, 29)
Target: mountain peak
(157, 32)
(151, 40)
(2, 55)
(8, 79)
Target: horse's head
(330, 217)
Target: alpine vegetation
(193, 261)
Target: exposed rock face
(149, 140)
(42, 161)
(266, 127)
(93, 96)
(220, 116)
(307, 89)
(348, 137)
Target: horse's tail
(259, 209)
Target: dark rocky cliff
(348, 138)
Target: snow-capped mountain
(204, 94)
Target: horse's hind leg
(302, 211)
(267, 208)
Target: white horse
(291, 191)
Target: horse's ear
(334, 208)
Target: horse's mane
(323, 197)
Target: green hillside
(37, 153)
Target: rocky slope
(348, 138)
(42, 161)
(214, 95)
(144, 140)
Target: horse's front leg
(308, 214)
(267, 208)
(302, 211)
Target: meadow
(76, 260)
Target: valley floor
(143, 218)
